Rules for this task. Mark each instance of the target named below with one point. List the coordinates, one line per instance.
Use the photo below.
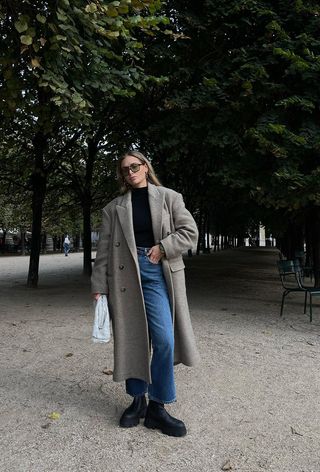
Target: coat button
(117, 244)
(121, 266)
(122, 289)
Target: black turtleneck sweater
(142, 224)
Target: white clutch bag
(101, 325)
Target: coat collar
(153, 193)
(124, 210)
(156, 200)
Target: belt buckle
(142, 250)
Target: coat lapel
(156, 205)
(124, 210)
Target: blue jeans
(158, 311)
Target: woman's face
(134, 172)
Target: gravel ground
(252, 404)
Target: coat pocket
(176, 264)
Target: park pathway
(251, 405)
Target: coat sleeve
(99, 282)
(185, 234)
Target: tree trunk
(216, 243)
(86, 206)
(22, 237)
(44, 243)
(3, 243)
(315, 235)
(308, 232)
(205, 236)
(76, 243)
(208, 237)
(200, 231)
(296, 239)
(39, 185)
(54, 240)
(293, 239)
(86, 212)
(240, 240)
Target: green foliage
(238, 111)
(64, 64)
(56, 58)
(14, 214)
(243, 100)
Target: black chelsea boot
(158, 418)
(131, 416)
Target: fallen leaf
(45, 426)
(54, 416)
(227, 465)
(70, 354)
(293, 431)
(107, 371)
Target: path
(253, 401)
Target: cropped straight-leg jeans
(158, 311)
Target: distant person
(66, 245)
(139, 267)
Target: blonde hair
(151, 175)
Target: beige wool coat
(116, 273)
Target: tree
(242, 108)
(268, 96)
(56, 57)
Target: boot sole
(133, 422)
(149, 423)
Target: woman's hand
(96, 296)
(155, 254)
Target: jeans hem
(137, 394)
(166, 402)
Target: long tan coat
(116, 273)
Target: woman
(139, 266)
(66, 245)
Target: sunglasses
(132, 167)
